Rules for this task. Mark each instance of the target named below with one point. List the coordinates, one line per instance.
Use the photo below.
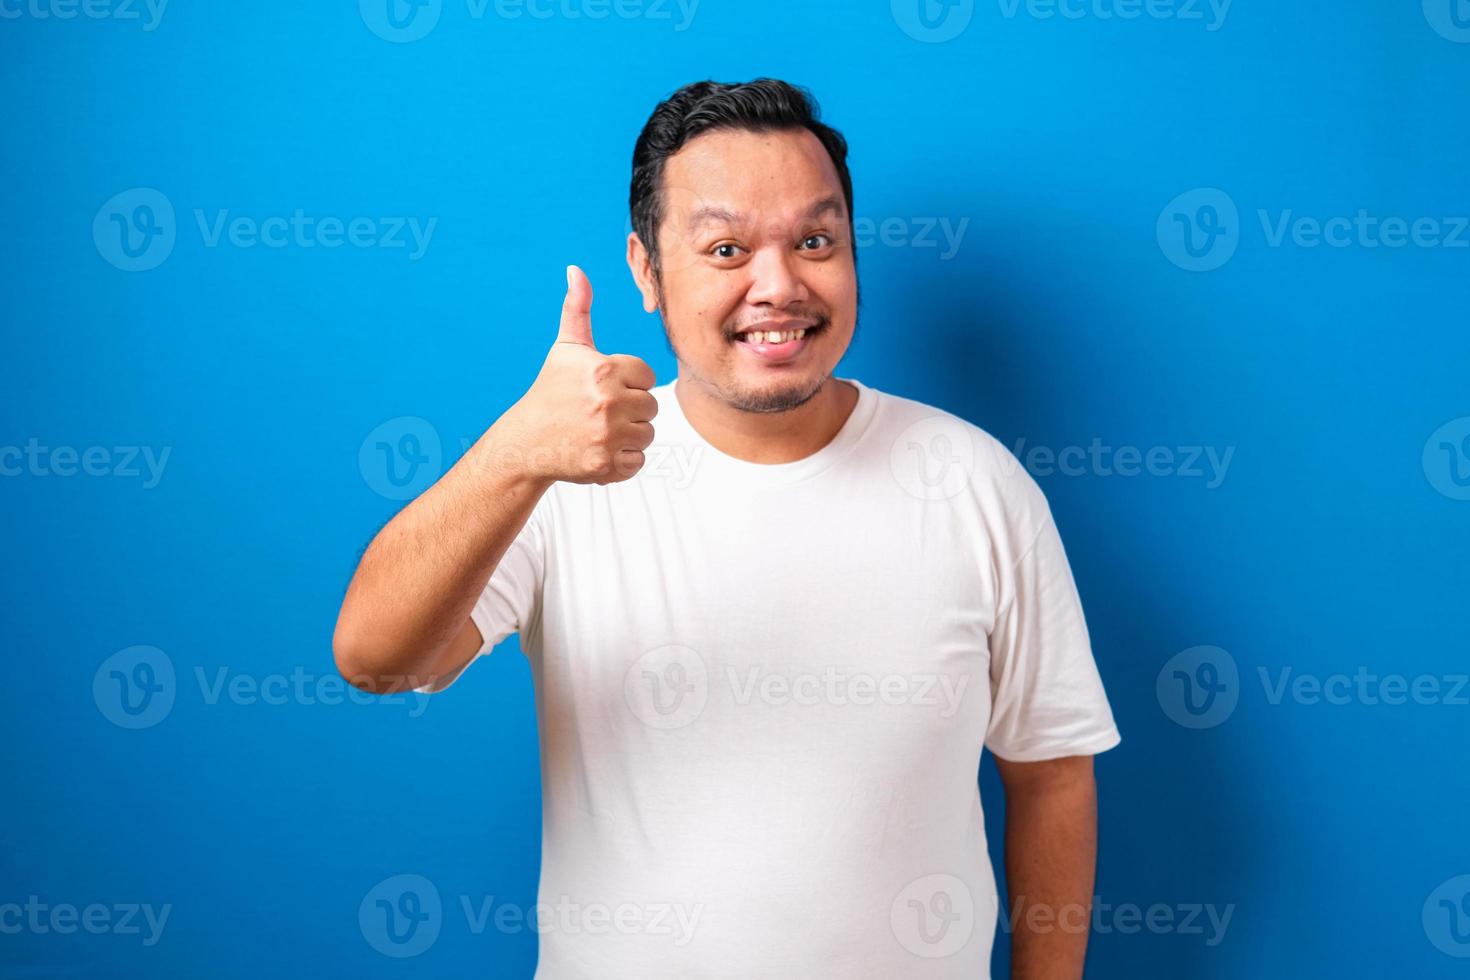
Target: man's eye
(822, 241)
(725, 251)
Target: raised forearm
(419, 578)
(586, 419)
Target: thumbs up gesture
(588, 416)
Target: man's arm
(1051, 857)
(405, 620)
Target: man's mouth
(772, 336)
(776, 346)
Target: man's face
(754, 238)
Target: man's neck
(767, 437)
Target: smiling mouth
(794, 330)
(777, 346)
(771, 336)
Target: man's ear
(642, 269)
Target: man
(768, 640)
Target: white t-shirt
(762, 692)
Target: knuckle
(599, 460)
(600, 409)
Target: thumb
(576, 310)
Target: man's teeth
(773, 336)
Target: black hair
(757, 106)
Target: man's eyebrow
(708, 214)
(824, 205)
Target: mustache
(818, 320)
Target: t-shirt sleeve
(511, 598)
(1047, 698)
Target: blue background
(1334, 542)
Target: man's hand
(588, 416)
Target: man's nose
(775, 279)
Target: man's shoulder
(912, 419)
(940, 454)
